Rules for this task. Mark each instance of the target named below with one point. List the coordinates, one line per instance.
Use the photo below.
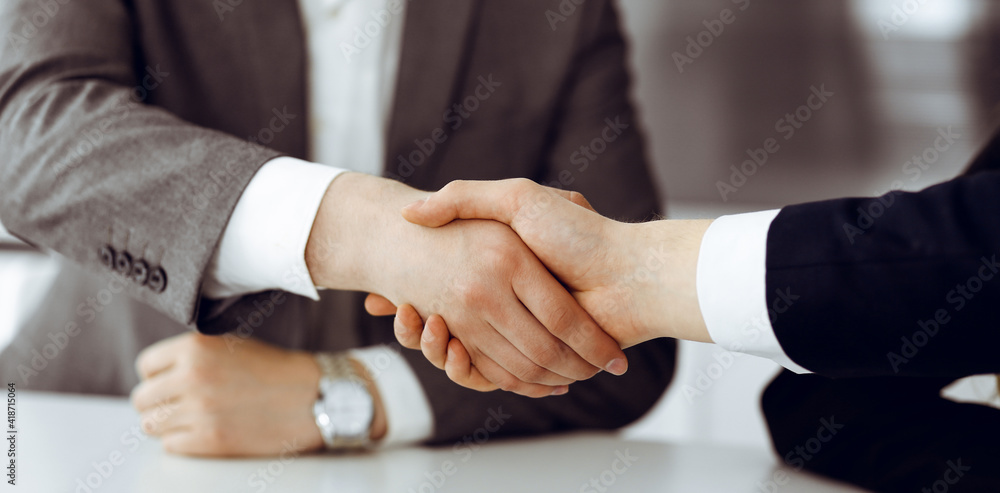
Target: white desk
(62, 437)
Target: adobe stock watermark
(751, 331)
(131, 440)
(786, 127)
(455, 117)
(224, 176)
(714, 29)
(378, 22)
(264, 477)
(566, 9)
(801, 454)
(93, 137)
(225, 7)
(464, 450)
(954, 473)
(914, 169)
(60, 339)
(957, 298)
(588, 153)
(263, 309)
(901, 14)
(607, 478)
(33, 22)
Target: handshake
(510, 284)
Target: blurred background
(898, 82)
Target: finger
(434, 341)
(505, 380)
(502, 354)
(189, 441)
(497, 200)
(408, 326)
(159, 356)
(378, 306)
(458, 367)
(162, 420)
(164, 388)
(564, 318)
(540, 348)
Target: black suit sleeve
(902, 285)
(885, 434)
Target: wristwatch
(345, 408)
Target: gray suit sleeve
(93, 173)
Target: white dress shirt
(354, 48)
(731, 287)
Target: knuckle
(203, 343)
(508, 383)
(200, 375)
(474, 293)
(205, 404)
(499, 254)
(171, 447)
(562, 321)
(142, 362)
(531, 372)
(522, 185)
(548, 355)
(216, 437)
(453, 186)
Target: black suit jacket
(133, 126)
(906, 284)
(860, 316)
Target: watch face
(349, 407)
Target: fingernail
(560, 390)
(428, 335)
(415, 205)
(617, 367)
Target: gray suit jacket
(131, 127)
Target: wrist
(304, 371)
(357, 222)
(661, 263)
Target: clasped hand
(520, 328)
(637, 281)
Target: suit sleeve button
(123, 263)
(158, 280)
(140, 272)
(107, 256)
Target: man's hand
(203, 397)
(638, 281)
(521, 328)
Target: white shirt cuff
(731, 286)
(407, 411)
(264, 244)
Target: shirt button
(158, 280)
(107, 256)
(140, 272)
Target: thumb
(379, 306)
(466, 200)
(430, 215)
